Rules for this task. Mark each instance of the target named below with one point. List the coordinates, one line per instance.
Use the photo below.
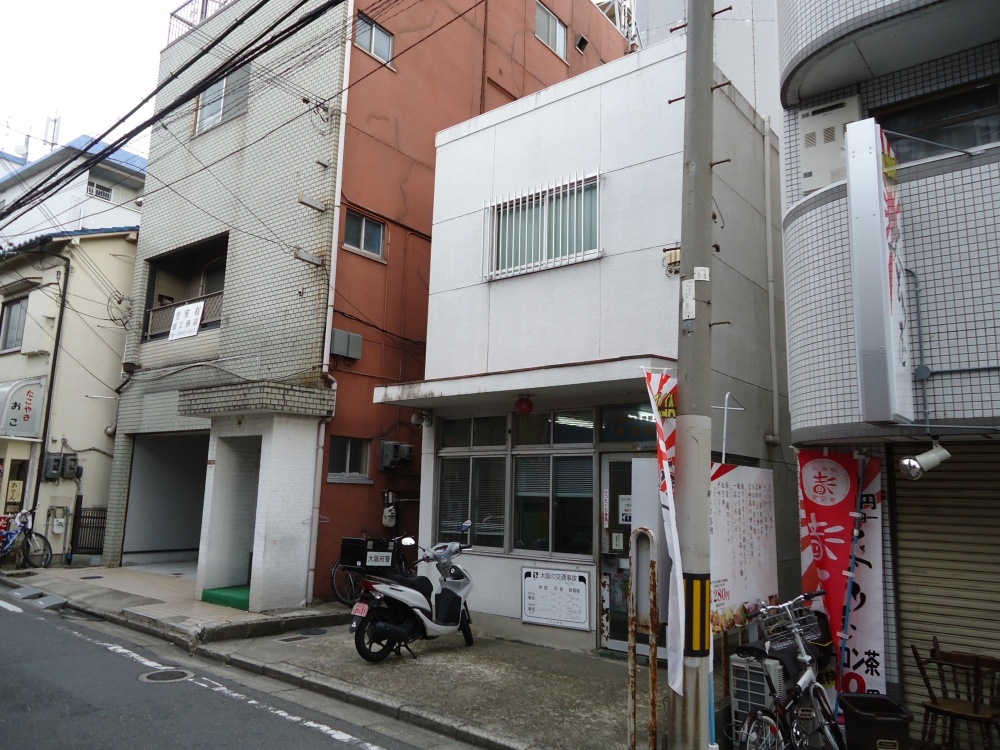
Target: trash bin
(875, 722)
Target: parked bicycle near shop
(792, 720)
(17, 539)
(362, 556)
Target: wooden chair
(963, 693)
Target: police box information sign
(560, 598)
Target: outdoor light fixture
(913, 467)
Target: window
(373, 39)
(549, 507)
(963, 119)
(348, 459)
(99, 191)
(223, 100)
(12, 324)
(550, 30)
(364, 233)
(555, 227)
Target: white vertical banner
(662, 396)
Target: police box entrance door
(616, 528)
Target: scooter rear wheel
(371, 647)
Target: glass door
(616, 528)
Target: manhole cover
(167, 675)
(90, 578)
(312, 631)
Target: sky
(87, 62)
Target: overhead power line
(247, 53)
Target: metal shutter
(947, 558)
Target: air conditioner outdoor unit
(822, 158)
(748, 687)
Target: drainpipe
(774, 437)
(337, 190)
(331, 297)
(39, 473)
(314, 524)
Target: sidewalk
(497, 694)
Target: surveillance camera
(139, 201)
(913, 467)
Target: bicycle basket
(777, 628)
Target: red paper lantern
(523, 406)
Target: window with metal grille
(551, 227)
(98, 190)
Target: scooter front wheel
(466, 628)
(372, 647)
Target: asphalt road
(68, 681)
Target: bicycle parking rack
(645, 622)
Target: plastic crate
(875, 722)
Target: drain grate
(167, 675)
(292, 638)
(312, 631)
(90, 578)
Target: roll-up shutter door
(948, 557)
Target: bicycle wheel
(36, 550)
(346, 583)
(760, 732)
(829, 729)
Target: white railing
(192, 13)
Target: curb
(448, 725)
(198, 644)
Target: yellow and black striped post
(697, 602)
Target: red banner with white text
(838, 493)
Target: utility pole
(690, 712)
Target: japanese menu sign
(23, 409)
(838, 493)
(187, 320)
(556, 597)
(744, 553)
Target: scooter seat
(421, 584)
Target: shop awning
(22, 407)
(617, 378)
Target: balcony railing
(159, 319)
(191, 14)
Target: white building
(62, 337)
(556, 225)
(103, 197)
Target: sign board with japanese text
(832, 487)
(187, 320)
(744, 550)
(878, 277)
(22, 407)
(556, 597)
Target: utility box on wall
(390, 453)
(821, 130)
(60, 466)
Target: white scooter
(395, 610)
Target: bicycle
(791, 721)
(28, 547)
(346, 578)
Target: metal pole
(689, 713)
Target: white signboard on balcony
(187, 320)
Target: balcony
(158, 319)
(192, 13)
